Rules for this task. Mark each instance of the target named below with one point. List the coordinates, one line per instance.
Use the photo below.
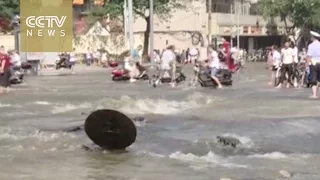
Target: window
(78, 2)
(222, 6)
(254, 9)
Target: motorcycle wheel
(277, 78)
(145, 77)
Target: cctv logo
(45, 22)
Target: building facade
(189, 27)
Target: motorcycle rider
(130, 66)
(214, 64)
(15, 61)
(15, 58)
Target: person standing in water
(88, 57)
(313, 56)
(287, 54)
(73, 60)
(168, 64)
(275, 62)
(4, 71)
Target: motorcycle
(121, 74)
(17, 73)
(63, 62)
(205, 79)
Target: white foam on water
(278, 155)
(63, 108)
(151, 154)
(209, 159)
(42, 103)
(22, 134)
(301, 127)
(245, 141)
(5, 105)
(273, 155)
(131, 105)
(19, 114)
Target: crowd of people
(288, 60)
(285, 59)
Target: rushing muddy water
(278, 129)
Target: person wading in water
(313, 56)
(4, 71)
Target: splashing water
(62, 108)
(131, 105)
(245, 141)
(211, 159)
(42, 103)
(5, 105)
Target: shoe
(133, 80)
(279, 86)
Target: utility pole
(131, 37)
(209, 21)
(151, 38)
(232, 12)
(238, 22)
(125, 9)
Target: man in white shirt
(15, 58)
(288, 55)
(214, 64)
(193, 55)
(167, 64)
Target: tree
(8, 8)
(304, 14)
(270, 9)
(162, 8)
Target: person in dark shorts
(313, 56)
(4, 71)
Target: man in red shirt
(4, 70)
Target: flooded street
(278, 130)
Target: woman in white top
(275, 61)
(73, 59)
(104, 59)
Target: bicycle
(296, 75)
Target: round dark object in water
(110, 129)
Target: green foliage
(8, 8)
(162, 8)
(302, 13)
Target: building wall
(195, 18)
(7, 41)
